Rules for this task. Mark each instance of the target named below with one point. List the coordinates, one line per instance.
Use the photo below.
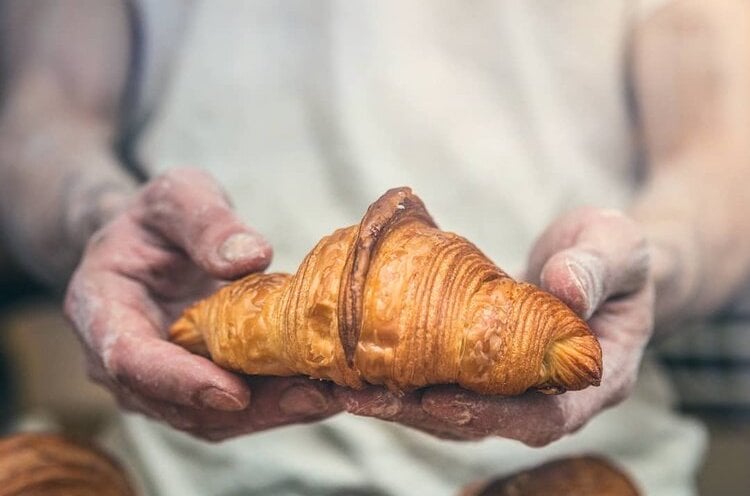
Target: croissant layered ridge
(395, 301)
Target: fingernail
(381, 404)
(219, 399)
(454, 411)
(242, 246)
(302, 400)
(588, 274)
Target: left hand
(597, 262)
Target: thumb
(189, 208)
(588, 256)
(578, 278)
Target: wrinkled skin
(172, 244)
(596, 261)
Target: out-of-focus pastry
(52, 465)
(576, 476)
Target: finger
(115, 318)
(132, 250)
(372, 401)
(161, 370)
(276, 402)
(378, 402)
(268, 409)
(174, 415)
(533, 418)
(190, 209)
(153, 409)
(589, 256)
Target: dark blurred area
(42, 381)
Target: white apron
(500, 115)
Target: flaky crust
(398, 302)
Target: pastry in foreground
(53, 465)
(579, 476)
(395, 301)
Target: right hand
(174, 243)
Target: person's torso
(500, 115)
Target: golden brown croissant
(52, 465)
(396, 301)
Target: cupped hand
(174, 243)
(594, 260)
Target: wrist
(90, 203)
(676, 270)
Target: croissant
(395, 301)
(53, 465)
(586, 475)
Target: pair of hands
(179, 238)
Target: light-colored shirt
(500, 115)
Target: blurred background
(43, 385)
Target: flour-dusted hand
(174, 243)
(594, 260)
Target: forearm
(64, 68)
(692, 85)
(59, 181)
(696, 215)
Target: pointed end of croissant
(572, 363)
(184, 332)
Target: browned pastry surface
(396, 301)
(578, 476)
(51, 465)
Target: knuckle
(157, 188)
(114, 357)
(211, 436)
(179, 181)
(586, 213)
(180, 422)
(187, 173)
(168, 188)
(184, 202)
(541, 438)
(625, 225)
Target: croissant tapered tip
(572, 363)
(184, 332)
